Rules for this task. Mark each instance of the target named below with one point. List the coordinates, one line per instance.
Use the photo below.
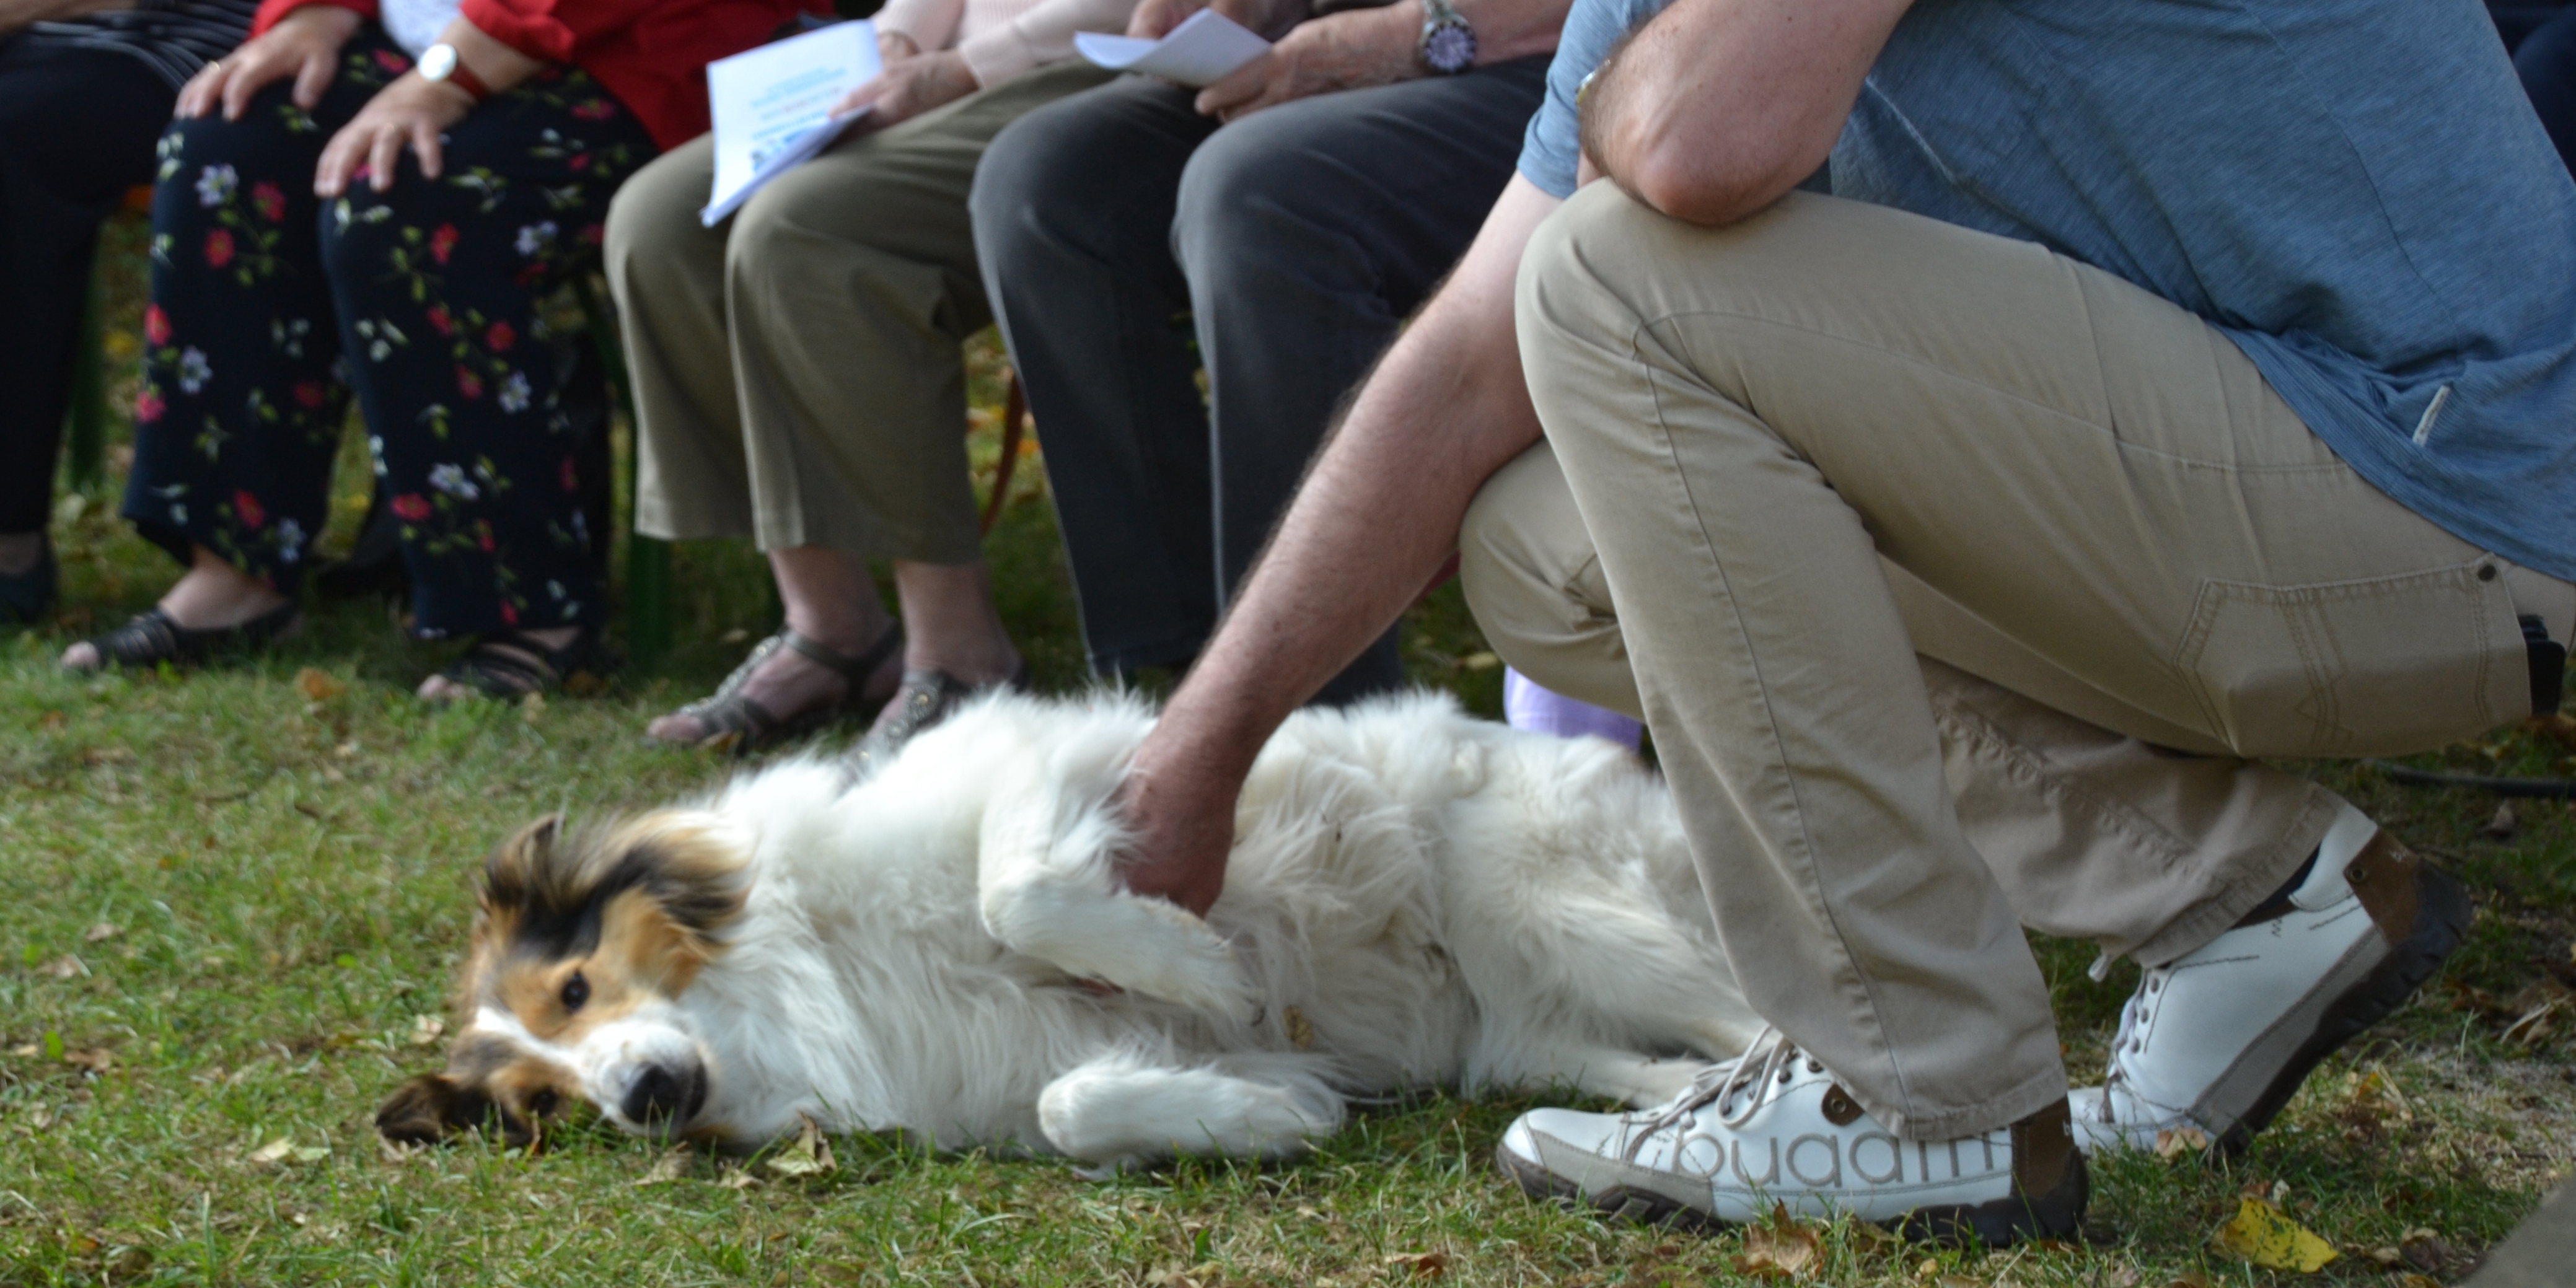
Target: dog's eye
(575, 992)
(542, 1104)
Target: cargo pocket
(2382, 666)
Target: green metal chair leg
(86, 435)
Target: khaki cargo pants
(1957, 581)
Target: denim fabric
(2358, 195)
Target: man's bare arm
(1717, 108)
(1377, 516)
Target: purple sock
(1527, 706)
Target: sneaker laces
(1720, 1083)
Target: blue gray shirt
(2358, 194)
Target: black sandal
(510, 665)
(150, 638)
(925, 701)
(742, 725)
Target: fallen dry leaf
(2412, 1280)
(101, 931)
(2189, 1279)
(1421, 1265)
(317, 685)
(2262, 1234)
(94, 1061)
(671, 1166)
(1479, 661)
(425, 1029)
(53, 721)
(810, 1154)
(2176, 1142)
(2504, 824)
(1781, 1248)
(26, 1050)
(532, 707)
(284, 1150)
(63, 967)
(1301, 1031)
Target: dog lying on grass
(1415, 899)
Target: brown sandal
(737, 723)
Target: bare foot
(212, 595)
(438, 690)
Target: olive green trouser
(1956, 581)
(796, 367)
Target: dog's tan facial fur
(572, 933)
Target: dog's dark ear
(425, 1110)
(516, 865)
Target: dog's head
(582, 946)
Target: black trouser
(76, 132)
(1118, 226)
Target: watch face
(437, 62)
(1450, 48)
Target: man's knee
(1535, 585)
(1057, 160)
(653, 221)
(1268, 188)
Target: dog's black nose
(661, 1095)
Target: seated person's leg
(76, 131)
(435, 286)
(238, 415)
(848, 283)
(1309, 232)
(1072, 213)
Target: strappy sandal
(510, 665)
(25, 597)
(150, 638)
(925, 700)
(736, 722)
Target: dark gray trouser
(1297, 240)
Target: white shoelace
(1719, 1084)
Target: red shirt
(652, 54)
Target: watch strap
(460, 75)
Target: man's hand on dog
(1179, 809)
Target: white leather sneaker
(1773, 1127)
(2217, 1040)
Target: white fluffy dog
(1415, 899)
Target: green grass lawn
(232, 903)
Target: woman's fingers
(201, 91)
(331, 174)
(315, 76)
(383, 152)
(425, 145)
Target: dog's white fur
(1424, 898)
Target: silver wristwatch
(1448, 44)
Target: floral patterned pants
(270, 306)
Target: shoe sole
(1996, 1223)
(2441, 919)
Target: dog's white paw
(1145, 946)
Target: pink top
(999, 39)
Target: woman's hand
(911, 86)
(305, 44)
(1349, 50)
(412, 110)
